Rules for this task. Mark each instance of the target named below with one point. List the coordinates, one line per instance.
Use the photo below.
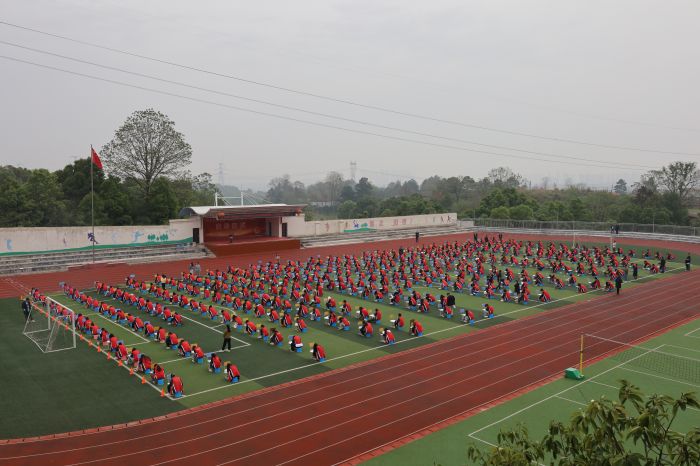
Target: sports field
(668, 364)
(261, 365)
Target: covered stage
(230, 230)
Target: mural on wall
(161, 237)
(357, 227)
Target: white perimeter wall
(299, 227)
(19, 240)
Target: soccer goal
(661, 362)
(51, 326)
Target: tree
(501, 212)
(347, 209)
(162, 203)
(147, 147)
(364, 189)
(410, 187)
(646, 190)
(505, 177)
(620, 187)
(44, 200)
(631, 431)
(679, 178)
(521, 212)
(333, 185)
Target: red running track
(341, 415)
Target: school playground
(365, 399)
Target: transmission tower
(353, 171)
(221, 175)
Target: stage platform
(253, 245)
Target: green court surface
(668, 364)
(79, 388)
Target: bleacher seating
(62, 260)
(380, 235)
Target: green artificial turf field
(79, 388)
(672, 368)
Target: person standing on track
(687, 264)
(227, 339)
(618, 283)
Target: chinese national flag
(96, 159)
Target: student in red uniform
(318, 352)
(113, 343)
(388, 336)
(175, 385)
(133, 357)
(276, 337)
(232, 374)
(264, 333)
(286, 320)
(197, 353)
(214, 362)
(250, 327)
(300, 325)
(184, 348)
(366, 329)
(416, 328)
(144, 364)
(149, 330)
(488, 310)
(544, 296)
(399, 322)
(343, 323)
(295, 342)
(122, 352)
(468, 317)
(171, 340)
(158, 373)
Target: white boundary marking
(660, 377)
(690, 334)
(590, 380)
(556, 395)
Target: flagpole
(92, 204)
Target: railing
(586, 226)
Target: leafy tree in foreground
(147, 147)
(629, 432)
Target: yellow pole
(580, 364)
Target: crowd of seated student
(287, 293)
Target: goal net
(666, 361)
(51, 326)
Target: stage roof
(243, 211)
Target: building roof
(242, 211)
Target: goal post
(51, 326)
(661, 360)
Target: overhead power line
(300, 120)
(345, 101)
(311, 112)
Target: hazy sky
(622, 73)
